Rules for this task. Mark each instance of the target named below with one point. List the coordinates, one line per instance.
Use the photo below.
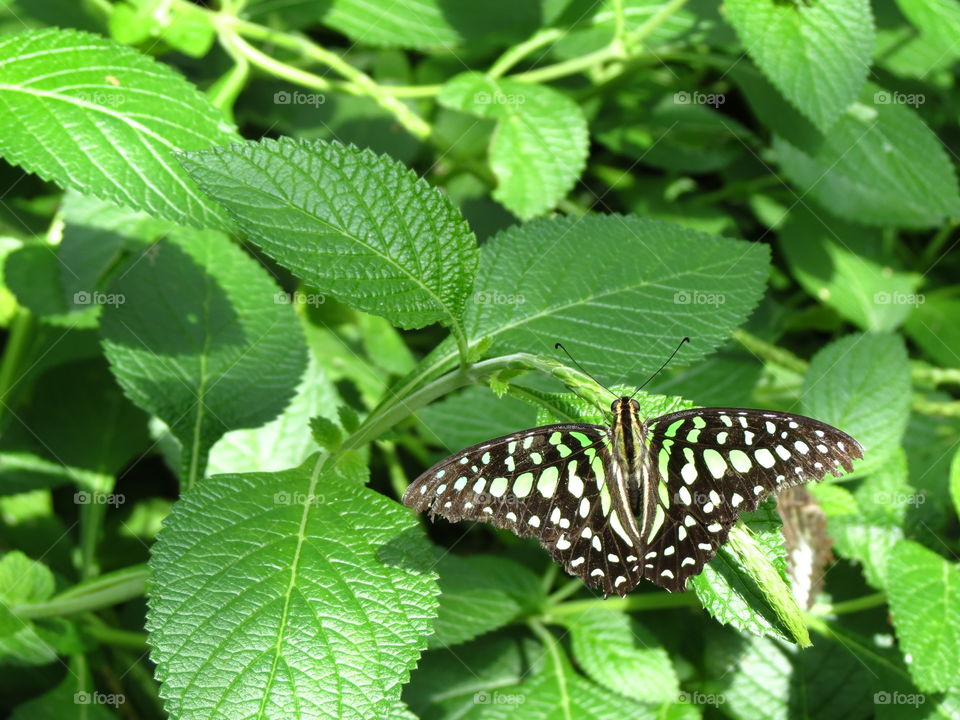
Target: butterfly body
(638, 498)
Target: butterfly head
(624, 405)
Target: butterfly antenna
(685, 340)
(580, 367)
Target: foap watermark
(899, 499)
(488, 297)
(82, 297)
(285, 97)
(700, 698)
(103, 99)
(498, 698)
(714, 100)
(898, 298)
(297, 498)
(498, 98)
(695, 297)
(99, 698)
(885, 97)
(299, 298)
(898, 698)
(84, 497)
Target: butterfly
(638, 498)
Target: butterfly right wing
(557, 483)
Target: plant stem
(118, 638)
(771, 353)
(97, 485)
(102, 592)
(515, 54)
(867, 602)
(359, 82)
(646, 601)
(18, 338)
(570, 588)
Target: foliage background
(257, 346)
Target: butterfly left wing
(557, 483)
(706, 466)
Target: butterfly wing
(559, 483)
(711, 464)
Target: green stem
(927, 374)
(117, 638)
(571, 66)
(936, 243)
(18, 339)
(570, 588)
(867, 602)
(630, 603)
(103, 592)
(517, 53)
(771, 353)
(225, 91)
(359, 82)
(98, 487)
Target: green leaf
(844, 266)
(326, 433)
(618, 653)
(286, 441)
(932, 325)
(69, 701)
(357, 225)
(817, 54)
(779, 682)
(183, 27)
(867, 524)
(440, 689)
(22, 581)
(106, 122)
(57, 423)
(939, 24)
(201, 342)
(556, 692)
(861, 384)
(473, 415)
(879, 165)
(287, 595)
(540, 146)
(730, 589)
(481, 593)
(619, 291)
(924, 593)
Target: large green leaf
(861, 384)
(540, 146)
(619, 292)
(617, 652)
(284, 442)
(867, 524)
(844, 266)
(939, 24)
(556, 692)
(474, 415)
(201, 342)
(481, 593)
(448, 681)
(287, 595)
(933, 326)
(106, 122)
(924, 592)
(357, 225)
(817, 54)
(773, 681)
(879, 165)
